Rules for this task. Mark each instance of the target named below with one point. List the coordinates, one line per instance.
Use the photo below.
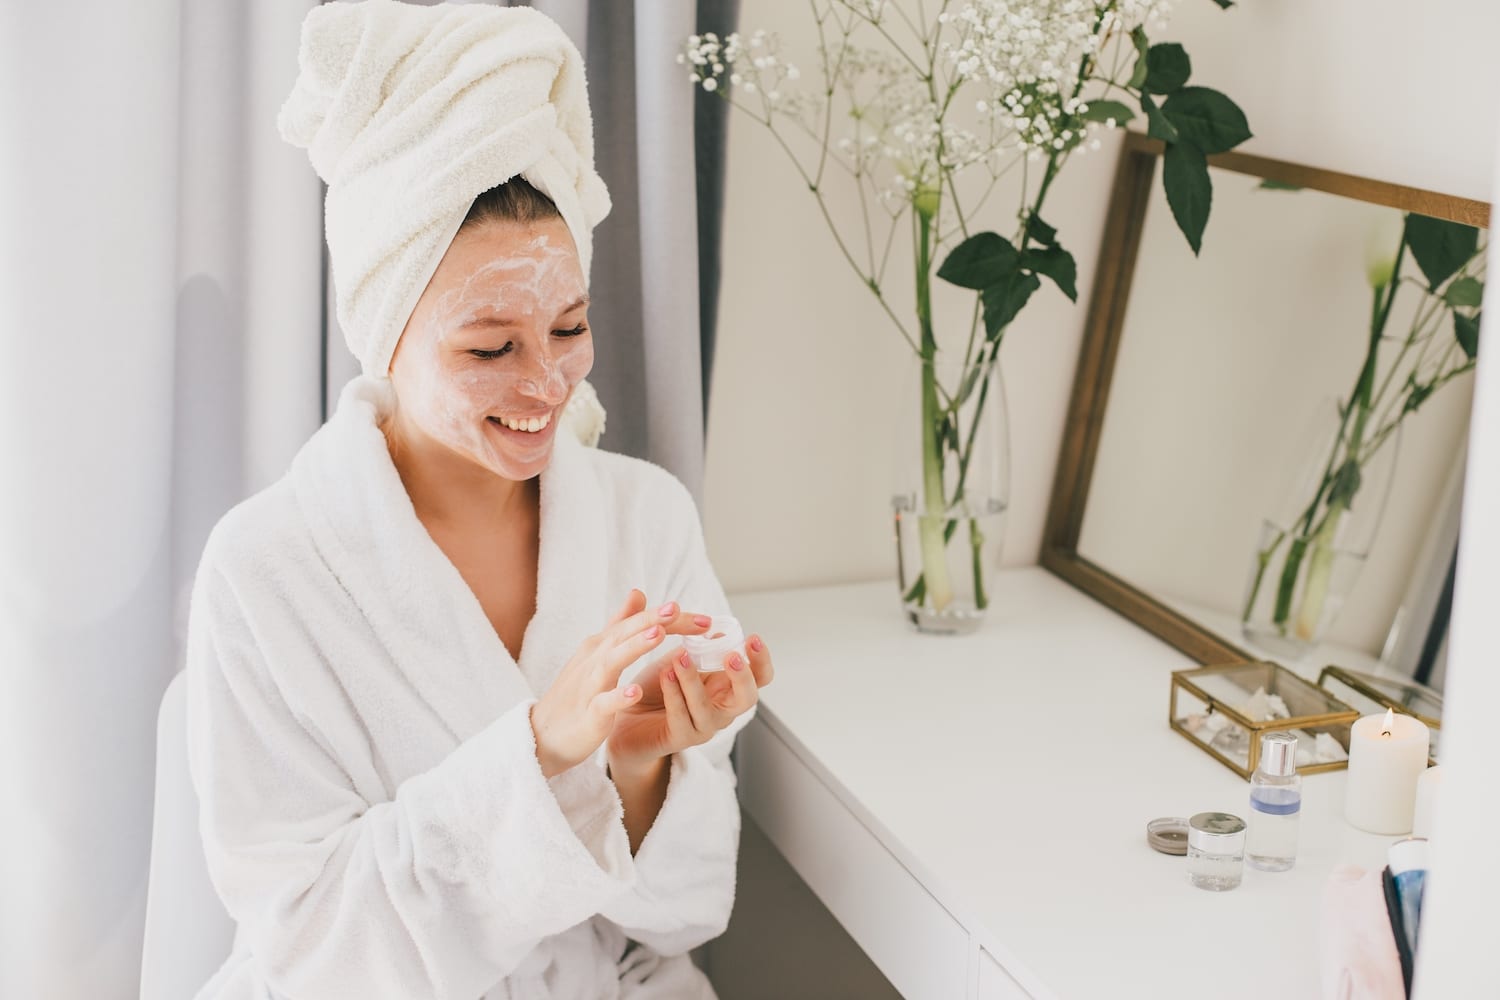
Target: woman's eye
(487, 355)
(580, 328)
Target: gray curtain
(659, 145)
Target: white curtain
(160, 290)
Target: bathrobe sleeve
(440, 891)
(685, 866)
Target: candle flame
(1390, 722)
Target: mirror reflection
(1281, 456)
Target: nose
(544, 380)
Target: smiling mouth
(524, 425)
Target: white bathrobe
(373, 813)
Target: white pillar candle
(1429, 785)
(1387, 754)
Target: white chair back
(188, 932)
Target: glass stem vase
(1310, 552)
(951, 490)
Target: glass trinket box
(1225, 709)
(1371, 695)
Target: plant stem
(1319, 573)
(934, 563)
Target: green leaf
(968, 387)
(1416, 394)
(1440, 247)
(1207, 119)
(1465, 292)
(1057, 264)
(1345, 484)
(1003, 300)
(1100, 111)
(1040, 231)
(1157, 125)
(980, 261)
(1142, 45)
(1270, 185)
(1184, 176)
(1167, 68)
(1466, 329)
(1224, 4)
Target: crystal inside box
(1226, 709)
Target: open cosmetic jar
(724, 636)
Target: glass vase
(950, 489)
(1310, 550)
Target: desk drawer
(909, 936)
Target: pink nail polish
(702, 621)
(734, 662)
(653, 632)
(757, 645)
(684, 660)
(667, 610)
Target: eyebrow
(577, 303)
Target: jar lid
(1168, 834)
(723, 635)
(1216, 832)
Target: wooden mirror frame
(1118, 250)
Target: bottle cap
(1216, 833)
(1278, 754)
(1407, 855)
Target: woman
(442, 745)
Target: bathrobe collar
(414, 598)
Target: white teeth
(530, 425)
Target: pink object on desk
(1358, 949)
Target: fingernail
(685, 659)
(702, 620)
(667, 610)
(756, 644)
(653, 632)
(734, 662)
(633, 691)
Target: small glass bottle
(1275, 805)
(1216, 850)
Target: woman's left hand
(681, 708)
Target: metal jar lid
(1168, 834)
(1278, 754)
(1216, 833)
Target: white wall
(797, 471)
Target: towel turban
(408, 113)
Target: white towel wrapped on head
(408, 113)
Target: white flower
(710, 84)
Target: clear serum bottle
(1275, 805)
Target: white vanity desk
(973, 809)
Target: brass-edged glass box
(1225, 710)
(1370, 695)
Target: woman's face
(500, 336)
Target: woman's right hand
(578, 711)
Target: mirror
(1240, 473)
